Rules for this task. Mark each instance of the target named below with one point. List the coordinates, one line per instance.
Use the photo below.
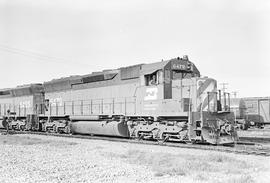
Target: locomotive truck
(166, 101)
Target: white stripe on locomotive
(203, 97)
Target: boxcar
(258, 110)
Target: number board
(182, 65)
(179, 66)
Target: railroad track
(255, 139)
(247, 148)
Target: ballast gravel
(37, 158)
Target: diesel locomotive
(166, 101)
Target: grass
(245, 178)
(200, 167)
(212, 167)
(20, 140)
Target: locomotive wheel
(22, 128)
(160, 141)
(139, 136)
(17, 126)
(163, 138)
(67, 130)
(57, 130)
(54, 129)
(191, 141)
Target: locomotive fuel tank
(99, 127)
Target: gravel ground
(254, 133)
(33, 158)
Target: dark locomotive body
(20, 105)
(166, 100)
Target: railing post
(50, 109)
(72, 107)
(113, 105)
(229, 102)
(259, 111)
(125, 106)
(208, 102)
(82, 107)
(121, 107)
(56, 108)
(101, 106)
(4, 109)
(134, 105)
(35, 109)
(91, 106)
(224, 94)
(64, 107)
(268, 110)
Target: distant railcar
(251, 111)
(258, 110)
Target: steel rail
(255, 139)
(244, 148)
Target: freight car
(166, 100)
(251, 111)
(258, 110)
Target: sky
(228, 40)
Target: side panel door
(264, 110)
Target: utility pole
(224, 95)
(234, 93)
(224, 86)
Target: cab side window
(151, 79)
(154, 78)
(46, 104)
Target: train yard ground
(38, 158)
(256, 133)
